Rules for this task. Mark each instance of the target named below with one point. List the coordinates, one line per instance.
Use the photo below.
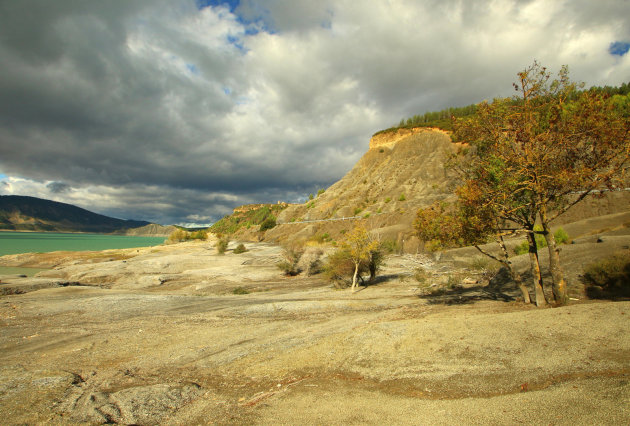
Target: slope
(401, 172)
(21, 213)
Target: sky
(177, 111)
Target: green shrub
(609, 278)
(321, 238)
(561, 236)
(387, 200)
(310, 196)
(390, 246)
(269, 223)
(357, 210)
(320, 192)
(402, 197)
(240, 249)
(421, 275)
(240, 290)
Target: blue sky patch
(619, 48)
(193, 68)
(231, 4)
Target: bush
(291, 258)
(390, 246)
(181, 235)
(488, 267)
(609, 278)
(177, 236)
(268, 223)
(421, 275)
(321, 238)
(240, 249)
(560, 236)
(240, 290)
(222, 244)
(310, 262)
(402, 197)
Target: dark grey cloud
(157, 110)
(58, 187)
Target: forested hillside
(443, 119)
(22, 213)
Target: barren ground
(157, 336)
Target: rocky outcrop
(389, 139)
(152, 230)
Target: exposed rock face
(389, 139)
(152, 230)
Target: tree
(536, 155)
(466, 222)
(360, 247)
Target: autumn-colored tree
(536, 155)
(466, 222)
(360, 247)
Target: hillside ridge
(24, 213)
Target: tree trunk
(354, 277)
(515, 275)
(559, 285)
(535, 266)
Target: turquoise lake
(42, 242)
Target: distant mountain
(20, 213)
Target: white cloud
(132, 104)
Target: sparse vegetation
(181, 235)
(240, 290)
(240, 249)
(390, 246)
(402, 197)
(291, 258)
(248, 218)
(609, 278)
(358, 255)
(560, 236)
(421, 276)
(321, 238)
(222, 243)
(268, 223)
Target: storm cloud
(177, 111)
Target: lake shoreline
(18, 242)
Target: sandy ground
(157, 336)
